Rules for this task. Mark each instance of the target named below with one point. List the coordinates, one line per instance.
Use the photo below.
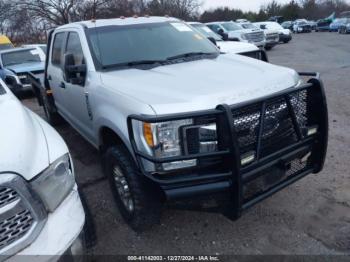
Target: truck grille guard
(290, 148)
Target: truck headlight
(243, 36)
(55, 183)
(162, 140)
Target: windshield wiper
(191, 54)
(135, 63)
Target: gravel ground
(309, 217)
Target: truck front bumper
(62, 234)
(264, 145)
(285, 38)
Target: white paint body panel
(201, 84)
(28, 143)
(28, 146)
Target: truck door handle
(62, 85)
(49, 77)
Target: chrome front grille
(22, 215)
(255, 37)
(278, 131)
(7, 196)
(15, 227)
(272, 37)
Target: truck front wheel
(138, 204)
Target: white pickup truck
(175, 119)
(40, 208)
(235, 32)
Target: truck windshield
(248, 26)
(206, 31)
(20, 57)
(132, 45)
(231, 26)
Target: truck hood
(201, 84)
(27, 67)
(28, 143)
(236, 47)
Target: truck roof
(15, 49)
(121, 21)
(220, 22)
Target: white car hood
(25, 149)
(242, 31)
(236, 47)
(201, 84)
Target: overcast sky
(245, 5)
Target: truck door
(55, 71)
(76, 94)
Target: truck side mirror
(220, 31)
(263, 27)
(74, 74)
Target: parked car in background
(279, 19)
(323, 25)
(235, 32)
(271, 35)
(41, 48)
(11, 79)
(345, 28)
(242, 21)
(301, 26)
(174, 118)
(313, 24)
(287, 25)
(5, 43)
(23, 61)
(40, 208)
(230, 46)
(285, 35)
(337, 24)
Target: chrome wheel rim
(123, 189)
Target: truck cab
(175, 119)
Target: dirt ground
(309, 217)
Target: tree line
(309, 9)
(28, 21)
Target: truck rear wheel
(139, 207)
(53, 118)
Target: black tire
(145, 203)
(52, 117)
(286, 41)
